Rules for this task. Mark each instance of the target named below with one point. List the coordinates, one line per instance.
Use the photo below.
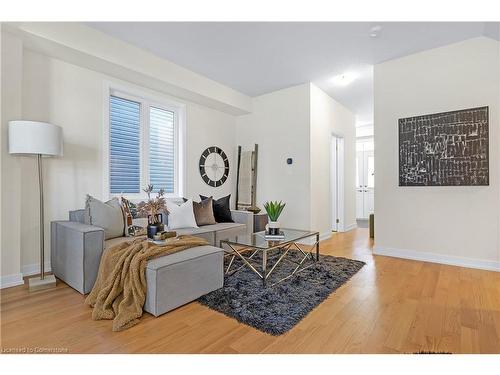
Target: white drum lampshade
(35, 138)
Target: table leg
(264, 266)
(317, 247)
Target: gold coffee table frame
(256, 243)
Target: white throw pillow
(181, 216)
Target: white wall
(297, 122)
(72, 97)
(11, 77)
(364, 130)
(329, 117)
(207, 127)
(279, 124)
(457, 225)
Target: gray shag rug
(276, 309)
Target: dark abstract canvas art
(444, 149)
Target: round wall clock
(214, 166)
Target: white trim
(147, 100)
(11, 280)
(340, 182)
(311, 240)
(438, 258)
(325, 236)
(34, 269)
(350, 227)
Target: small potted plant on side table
(274, 209)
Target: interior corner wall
(279, 124)
(456, 225)
(328, 117)
(11, 82)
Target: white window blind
(144, 143)
(161, 149)
(125, 128)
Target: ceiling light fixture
(344, 79)
(375, 31)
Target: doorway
(337, 183)
(365, 180)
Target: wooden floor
(390, 306)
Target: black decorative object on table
(155, 225)
(277, 309)
(445, 149)
(151, 209)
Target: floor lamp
(33, 138)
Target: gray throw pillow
(106, 215)
(204, 212)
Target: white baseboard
(34, 269)
(438, 258)
(325, 236)
(351, 226)
(26, 270)
(11, 280)
(312, 240)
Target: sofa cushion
(224, 226)
(181, 216)
(182, 256)
(77, 216)
(106, 215)
(176, 279)
(222, 211)
(226, 231)
(204, 212)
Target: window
(143, 146)
(124, 149)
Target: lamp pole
(42, 226)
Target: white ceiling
(257, 58)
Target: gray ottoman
(182, 277)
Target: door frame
(337, 182)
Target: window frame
(146, 100)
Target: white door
(365, 178)
(369, 185)
(334, 181)
(359, 185)
(337, 183)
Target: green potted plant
(274, 209)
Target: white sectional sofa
(172, 281)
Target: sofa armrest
(243, 217)
(76, 251)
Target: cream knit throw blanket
(119, 292)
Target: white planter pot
(273, 227)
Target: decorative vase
(273, 228)
(154, 226)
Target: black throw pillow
(222, 212)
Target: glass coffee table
(246, 247)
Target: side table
(260, 222)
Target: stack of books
(274, 237)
